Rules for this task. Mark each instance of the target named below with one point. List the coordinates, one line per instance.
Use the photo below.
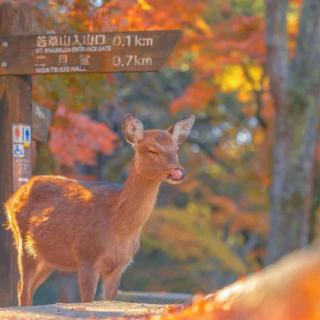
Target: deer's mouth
(170, 181)
(176, 176)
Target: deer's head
(156, 151)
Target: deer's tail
(13, 209)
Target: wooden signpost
(22, 55)
(87, 52)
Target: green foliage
(78, 92)
(187, 234)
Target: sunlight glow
(243, 137)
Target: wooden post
(15, 107)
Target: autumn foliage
(217, 71)
(77, 138)
(224, 50)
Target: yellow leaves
(292, 28)
(144, 5)
(255, 73)
(203, 26)
(293, 23)
(233, 78)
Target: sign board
(86, 52)
(21, 154)
(41, 119)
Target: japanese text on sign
(87, 52)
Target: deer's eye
(153, 152)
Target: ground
(143, 303)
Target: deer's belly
(109, 263)
(118, 256)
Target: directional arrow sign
(86, 52)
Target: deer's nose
(177, 174)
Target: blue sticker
(18, 150)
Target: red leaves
(77, 138)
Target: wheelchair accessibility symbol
(18, 150)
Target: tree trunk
(295, 92)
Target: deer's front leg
(111, 283)
(88, 278)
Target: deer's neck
(136, 202)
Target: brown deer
(90, 228)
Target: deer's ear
(181, 129)
(132, 129)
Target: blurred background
(213, 228)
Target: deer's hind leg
(32, 273)
(111, 283)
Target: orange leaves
(77, 138)
(240, 34)
(228, 212)
(197, 96)
(227, 206)
(147, 14)
(217, 55)
(250, 221)
(210, 43)
(296, 2)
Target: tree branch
(257, 93)
(208, 152)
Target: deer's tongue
(176, 175)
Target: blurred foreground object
(288, 289)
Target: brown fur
(92, 229)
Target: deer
(93, 229)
